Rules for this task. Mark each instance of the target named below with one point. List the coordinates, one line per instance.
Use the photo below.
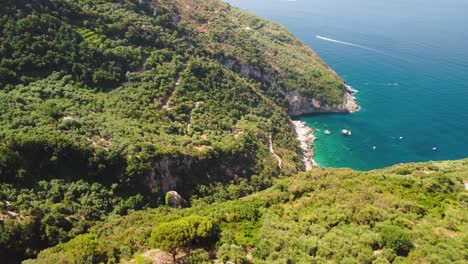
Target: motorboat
(346, 132)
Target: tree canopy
(411, 213)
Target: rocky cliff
(250, 71)
(265, 51)
(185, 173)
(299, 104)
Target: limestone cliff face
(164, 172)
(251, 71)
(278, 57)
(299, 104)
(183, 174)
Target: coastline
(305, 135)
(350, 90)
(300, 105)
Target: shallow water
(409, 61)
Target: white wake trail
(345, 43)
(355, 45)
(340, 42)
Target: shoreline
(350, 99)
(305, 135)
(351, 90)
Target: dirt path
(167, 100)
(273, 152)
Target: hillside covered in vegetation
(413, 213)
(106, 106)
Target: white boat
(346, 132)
(328, 132)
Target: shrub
(81, 249)
(397, 239)
(232, 253)
(198, 256)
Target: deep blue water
(410, 65)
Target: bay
(409, 61)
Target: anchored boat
(346, 132)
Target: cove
(409, 61)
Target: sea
(409, 62)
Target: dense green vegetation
(106, 105)
(259, 48)
(414, 213)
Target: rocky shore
(303, 105)
(306, 137)
(300, 105)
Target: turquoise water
(409, 61)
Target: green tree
(82, 249)
(181, 233)
(397, 239)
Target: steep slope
(105, 106)
(413, 213)
(265, 51)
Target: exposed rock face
(184, 173)
(251, 71)
(298, 104)
(164, 173)
(302, 105)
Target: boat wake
(354, 45)
(343, 42)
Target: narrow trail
(273, 152)
(167, 100)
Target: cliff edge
(299, 104)
(266, 52)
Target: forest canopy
(106, 106)
(411, 213)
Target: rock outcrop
(251, 71)
(165, 172)
(184, 173)
(299, 104)
(173, 199)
